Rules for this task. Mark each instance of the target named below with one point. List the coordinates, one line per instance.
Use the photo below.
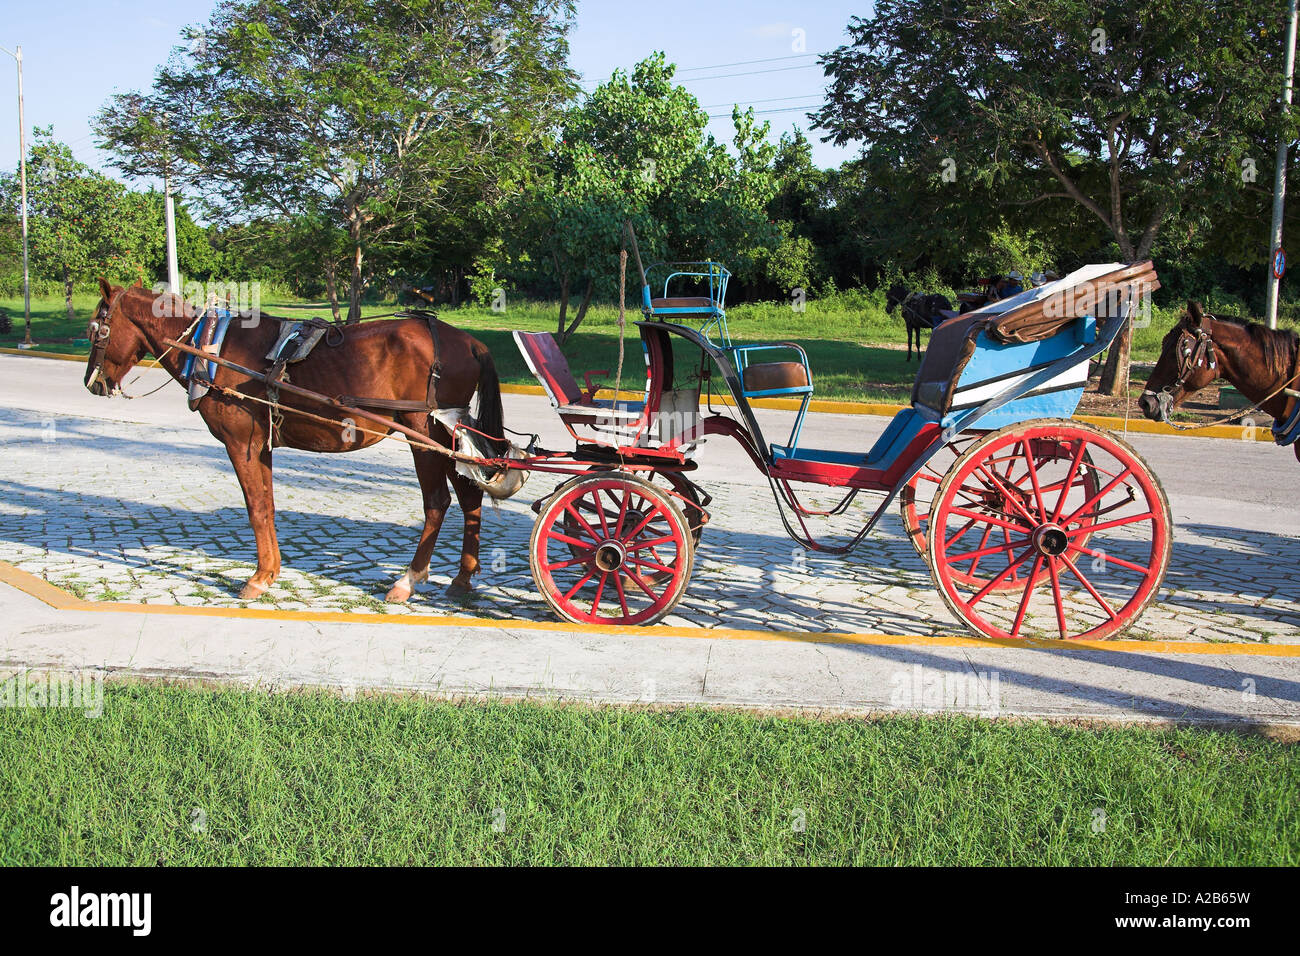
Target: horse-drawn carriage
(1033, 524)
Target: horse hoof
(459, 588)
(404, 586)
(252, 591)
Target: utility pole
(17, 54)
(173, 270)
(1279, 175)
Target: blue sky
(78, 52)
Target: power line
(770, 59)
(774, 99)
(788, 109)
(725, 76)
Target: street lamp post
(17, 54)
(1279, 176)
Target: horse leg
(470, 498)
(254, 474)
(432, 470)
(909, 341)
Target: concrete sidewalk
(1236, 685)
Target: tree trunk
(354, 288)
(1114, 376)
(564, 308)
(332, 286)
(582, 311)
(67, 293)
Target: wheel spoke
(984, 552)
(1056, 597)
(1009, 569)
(644, 522)
(600, 509)
(1028, 447)
(1113, 523)
(1128, 470)
(1091, 590)
(984, 543)
(650, 542)
(1069, 479)
(557, 536)
(1026, 596)
(650, 564)
(964, 528)
(990, 519)
(622, 598)
(1107, 558)
(1011, 497)
(636, 579)
(582, 522)
(600, 589)
(568, 595)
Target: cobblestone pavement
(116, 512)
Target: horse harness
(100, 329)
(1196, 350)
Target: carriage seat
(769, 376)
(687, 306)
(545, 360)
(952, 343)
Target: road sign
(1279, 262)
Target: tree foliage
(371, 111)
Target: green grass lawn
(174, 775)
(848, 347)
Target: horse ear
(105, 289)
(1195, 315)
(139, 284)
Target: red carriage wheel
(1086, 555)
(998, 493)
(610, 548)
(686, 496)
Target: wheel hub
(1050, 540)
(610, 556)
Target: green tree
(373, 110)
(1136, 112)
(80, 221)
(637, 149)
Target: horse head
(896, 294)
(116, 343)
(1188, 362)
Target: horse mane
(1277, 346)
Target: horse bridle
(1195, 350)
(100, 329)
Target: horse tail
(491, 418)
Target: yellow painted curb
(1140, 425)
(61, 356)
(61, 600)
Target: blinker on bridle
(1195, 350)
(100, 329)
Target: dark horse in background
(1262, 363)
(378, 360)
(921, 312)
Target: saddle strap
(435, 370)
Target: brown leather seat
(766, 376)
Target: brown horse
(378, 360)
(1261, 363)
(921, 312)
